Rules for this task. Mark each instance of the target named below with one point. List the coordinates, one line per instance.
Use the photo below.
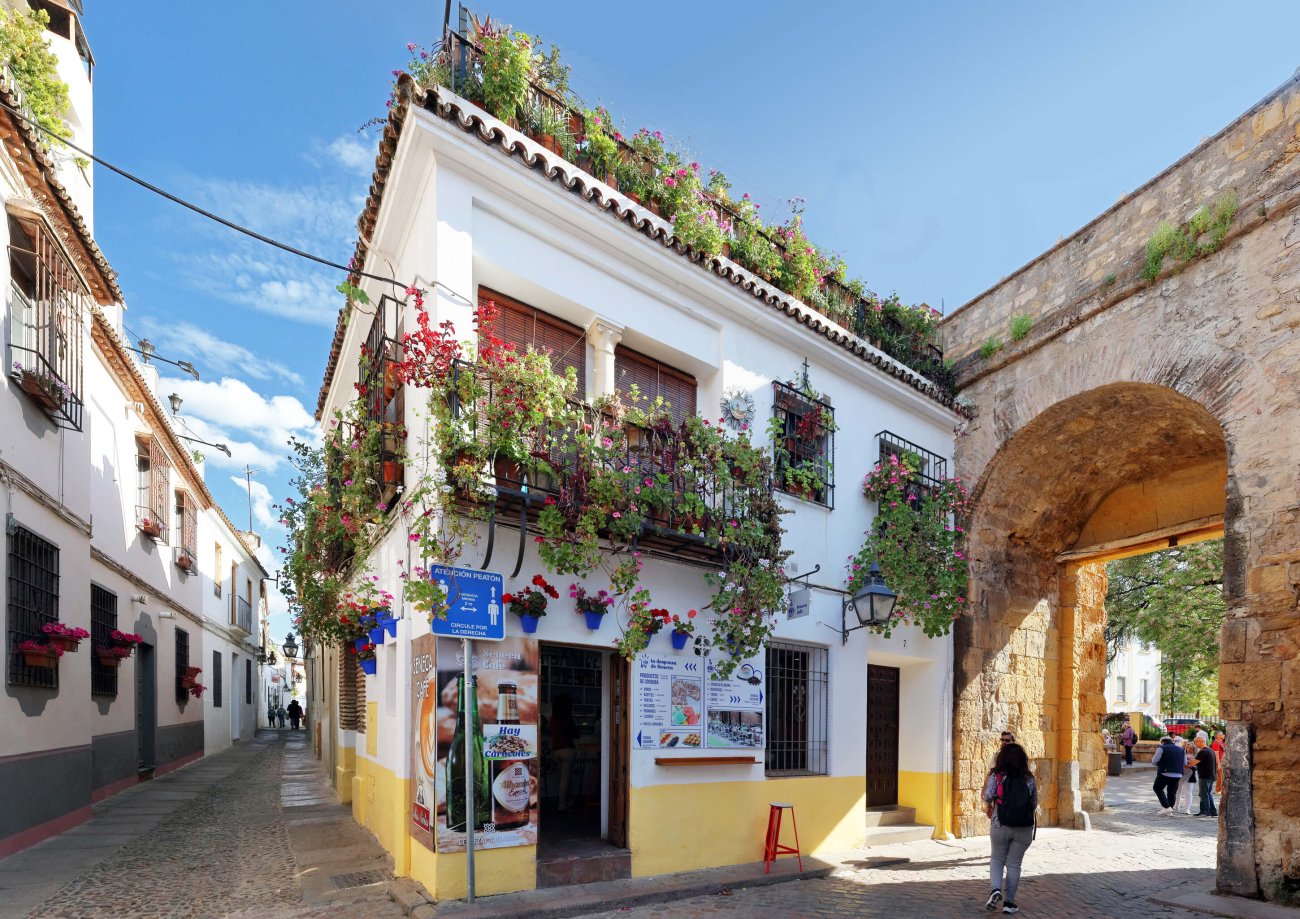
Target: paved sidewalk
(249, 832)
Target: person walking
(279, 715)
(1010, 799)
(1207, 769)
(1186, 785)
(295, 714)
(1219, 747)
(1128, 738)
(270, 715)
(1170, 763)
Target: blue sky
(939, 146)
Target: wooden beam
(1181, 534)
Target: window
(103, 620)
(1121, 690)
(216, 679)
(653, 380)
(216, 572)
(152, 469)
(797, 695)
(33, 601)
(383, 393)
(1145, 686)
(234, 594)
(182, 664)
(248, 682)
(48, 303)
(522, 325)
(930, 468)
(803, 445)
(188, 524)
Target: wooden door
(620, 738)
(882, 736)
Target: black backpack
(1015, 802)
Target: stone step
(891, 815)
(891, 835)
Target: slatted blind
(524, 325)
(652, 379)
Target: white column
(604, 337)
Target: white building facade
(1133, 680)
(463, 215)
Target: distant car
(1182, 727)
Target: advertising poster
(504, 739)
(735, 705)
(668, 702)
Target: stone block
(1256, 681)
(1232, 641)
(1267, 579)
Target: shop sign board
(473, 603)
(683, 703)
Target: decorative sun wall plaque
(738, 409)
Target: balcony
(151, 523)
(44, 361)
(242, 616)
(686, 506)
(930, 469)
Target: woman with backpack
(1010, 799)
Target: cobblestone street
(1130, 854)
(251, 832)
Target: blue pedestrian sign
(473, 603)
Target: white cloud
(309, 215)
(213, 355)
(255, 428)
(352, 153)
(263, 513)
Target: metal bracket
(800, 577)
(492, 532)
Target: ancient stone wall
(1123, 381)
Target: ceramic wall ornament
(738, 409)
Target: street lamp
(290, 646)
(873, 604)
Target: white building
(1133, 680)
(109, 525)
(468, 204)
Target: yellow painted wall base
(931, 794)
(343, 773)
(684, 827)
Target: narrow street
(251, 832)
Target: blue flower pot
(368, 667)
(530, 623)
(377, 635)
(594, 620)
(679, 639)
(391, 625)
(361, 642)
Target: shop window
(797, 708)
(803, 445)
(103, 621)
(152, 485)
(33, 579)
(182, 664)
(216, 679)
(523, 325)
(47, 304)
(652, 380)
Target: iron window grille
(798, 693)
(803, 445)
(33, 602)
(216, 576)
(187, 521)
(182, 665)
(248, 682)
(384, 394)
(103, 621)
(243, 615)
(152, 475)
(48, 305)
(216, 679)
(931, 468)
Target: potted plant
(366, 658)
(424, 593)
(45, 388)
(190, 677)
(374, 629)
(124, 642)
(184, 560)
(683, 629)
(63, 637)
(530, 603)
(593, 606)
(197, 690)
(548, 125)
(111, 655)
(151, 527)
(35, 654)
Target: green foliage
(507, 66)
(917, 541)
(1172, 599)
(1109, 280)
(991, 347)
(600, 145)
(1020, 326)
(35, 71)
(1204, 233)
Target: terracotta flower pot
(39, 389)
(392, 472)
(109, 660)
(44, 660)
(63, 642)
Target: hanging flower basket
(360, 643)
(368, 667)
(680, 639)
(125, 642)
(185, 562)
(377, 635)
(594, 620)
(529, 623)
(64, 638)
(391, 625)
(40, 656)
(150, 527)
(108, 659)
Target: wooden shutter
(652, 379)
(159, 487)
(525, 326)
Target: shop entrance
(582, 795)
(882, 736)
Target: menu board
(668, 702)
(683, 703)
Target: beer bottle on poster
(456, 762)
(511, 785)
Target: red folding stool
(772, 848)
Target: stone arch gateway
(1138, 413)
